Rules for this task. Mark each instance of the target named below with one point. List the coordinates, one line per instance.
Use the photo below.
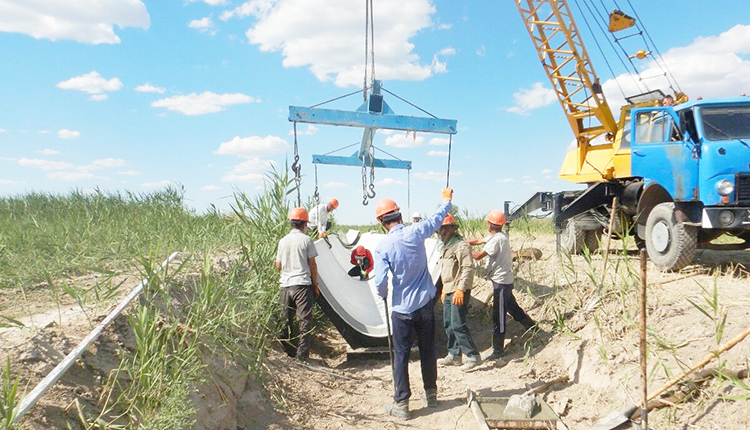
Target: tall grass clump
(66, 235)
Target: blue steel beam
(357, 162)
(371, 120)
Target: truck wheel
(573, 238)
(670, 244)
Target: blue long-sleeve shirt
(402, 251)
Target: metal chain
(371, 193)
(316, 196)
(364, 183)
(297, 168)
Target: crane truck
(678, 177)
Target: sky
(138, 95)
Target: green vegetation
(45, 235)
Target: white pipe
(30, 400)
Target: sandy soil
(591, 339)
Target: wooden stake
(644, 369)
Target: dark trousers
(297, 300)
(503, 302)
(422, 321)
(456, 327)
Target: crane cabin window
(656, 127)
(726, 122)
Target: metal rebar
(644, 369)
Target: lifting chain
(297, 168)
(364, 183)
(371, 193)
(316, 195)
(368, 191)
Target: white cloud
(547, 171)
(444, 26)
(438, 153)
(78, 20)
(107, 163)
(72, 175)
(159, 184)
(98, 97)
(253, 146)
(210, 188)
(204, 25)
(42, 131)
(44, 164)
(438, 66)
(129, 173)
(335, 185)
(203, 103)
(68, 134)
(447, 51)
(48, 152)
(2, 130)
(210, 2)
(481, 51)
(92, 83)
(10, 182)
(148, 88)
(505, 181)
(529, 181)
(532, 98)
(390, 181)
(252, 170)
(439, 141)
(405, 140)
(326, 36)
(434, 176)
(308, 131)
(713, 66)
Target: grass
(46, 236)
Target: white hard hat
(416, 215)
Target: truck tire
(670, 244)
(573, 238)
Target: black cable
(408, 102)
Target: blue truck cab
(694, 163)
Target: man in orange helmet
(319, 217)
(295, 259)
(500, 272)
(457, 274)
(402, 252)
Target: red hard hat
(385, 207)
(360, 251)
(298, 214)
(449, 220)
(334, 203)
(496, 216)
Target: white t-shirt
(319, 217)
(295, 251)
(500, 260)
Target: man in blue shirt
(402, 252)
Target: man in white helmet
(416, 217)
(319, 217)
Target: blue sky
(136, 94)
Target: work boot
(498, 346)
(398, 409)
(430, 397)
(472, 362)
(529, 324)
(449, 360)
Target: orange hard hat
(334, 203)
(449, 220)
(298, 214)
(385, 207)
(496, 217)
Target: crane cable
(297, 168)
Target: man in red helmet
(402, 252)
(362, 260)
(319, 217)
(500, 272)
(457, 274)
(295, 259)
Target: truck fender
(652, 195)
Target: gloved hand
(442, 297)
(458, 298)
(448, 194)
(322, 235)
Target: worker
(668, 100)
(295, 259)
(457, 274)
(500, 272)
(362, 260)
(416, 217)
(402, 251)
(319, 217)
